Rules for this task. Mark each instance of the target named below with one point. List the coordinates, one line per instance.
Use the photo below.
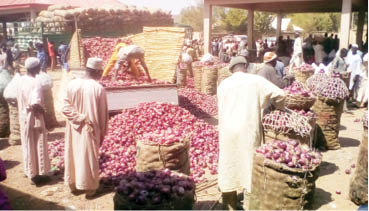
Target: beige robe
(85, 101)
(242, 99)
(33, 132)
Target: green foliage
(263, 22)
(316, 21)
(193, 16)
(234, 20)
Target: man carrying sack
(242, 99)
(86, 110)
(130, 54)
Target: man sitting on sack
(242, 99)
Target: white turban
(95, 63)
(31, 62)
(355, 46)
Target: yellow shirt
(113, 58)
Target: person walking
(41, 55)
(242, 99)
(86, 110)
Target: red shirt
(50, 47)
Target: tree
(234, 20)
(263, 22)
(316, 21)
(193, 16)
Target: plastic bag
(208, 58)
(10, 92)
(45, 80)
(5, 78)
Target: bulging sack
(157, 157)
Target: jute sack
(270, 136)
(223, 73)
(328, 122)
(359, 182)
(157, 157)
(302, 76)
(277, 187)
(209, 80)
(50, 118)
(15, 137)
(181, 77)
(4, 118)
(185, 202)
(197, 74)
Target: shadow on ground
(342, 127)
(321, 197)
(4, 143)
(348, 142)
(55, 136)
(207, 205)
(327, 168)
(10, 164)
(24, 201)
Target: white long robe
(354, 66)
(33, 132)
(242, 99)
(85, 100)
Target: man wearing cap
(130, 54)
(296, 59)
(85, 107)
(269, 71)
(32, 125)
(242, 99)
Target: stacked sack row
(287, 165)
(207, 73)
(129, 19)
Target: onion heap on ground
(118, 150)
(287, 123)
(291, 154)
(103, 48)
(199, 104)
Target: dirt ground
(55, 195)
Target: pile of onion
(315, 80)
(297, 88)
(103, 48)
(163, 137)
(286, 122)
(308, 114)
(332, 88)
(291, 154)
(56, 153)
(304, 68)
(155, 187)
(198, 103)
(118, 150)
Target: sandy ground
(55, 195)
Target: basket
(302, 76)
(209, 80)
(299, 102)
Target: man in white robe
(297, 58)
(31, 118)
(85, 107)
(242, 99)
(354, 68)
